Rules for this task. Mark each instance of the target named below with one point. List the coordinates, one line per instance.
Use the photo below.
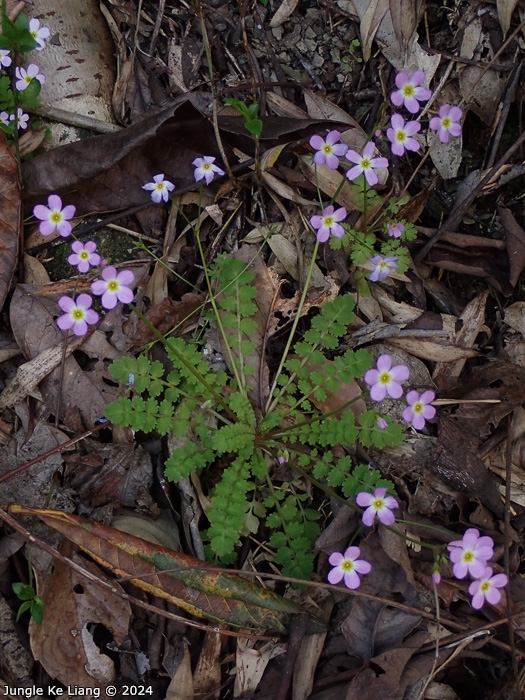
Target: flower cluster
(17, 119)
(385, 379)
(470, 556)
(112, 288)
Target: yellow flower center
(113, 285)
(446, 122)
(384, 378)
(327, 148)
(34, 35)
(328, 221)
(485, 586)
(418, 407)
(159, 186)
(28, 79)
(468, 556)
(365, 163)
(56, 217)
(84, 255)
(378, 503)
(400, 136)
(408, 90)
(347, 565)
(206, 166)
(78, 314)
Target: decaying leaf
(505, 10)
(175, 577)
(71, 609)
(283, 13)
(10, 204)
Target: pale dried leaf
(445, 156)
(515, 316)
(30, 374)
(505, 10)
(432, 350)
(329, 182)
(251, 664)
(320, 108)
(34, 271)
(286, 253)
(181, 685)
(84, 81)
(284, 190)
(283, 13)
(370, 21)
(208, 668)
(404, 14)
(283, 107)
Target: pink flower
(38, 33)
(204, 168)
(382, 424)
(53, 217)
(5, 118)
(326, 223)
(160, 188)
(395, 230)
(471, 554)
(84, 255)
(436, 577)
(385, 379)
(410, 92)
(365, 164)
(5, 58)
(77, 314)
(348, 566)
(400, 135)
(328, 150)
(26, 76)
(419, 409)
(447, 123)
(114, 287)
(382, 268)
(486, 588)
(377, 503)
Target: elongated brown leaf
(9, 216)
(179, 578)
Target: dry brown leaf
(515, 240)
(370, 21)
(287, 254)
(405, 17)
(329, 182)
(445, 156)
(515, 316)
(505, 10)
(71, 608)
(181, 685)
(432, 349)
(9, 216)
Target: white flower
(204, 168)
(160, 188)
(38, 33)
(5, 58)
(21, 118)
(26, 76)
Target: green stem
(270, 405)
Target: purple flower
(377, 503)
(21, 118)
(25, 77)
(160, 188)
(436, 577)
(471, 554)
(382, 268)
(385, 379)
(395, 230)
(53, 217)
(400, 135)
(38, 33)
(365, 164)
(5, 58)
(382, 424)
(419, 409)
(204, 168)
(447, 123)
(328, 150)
(326, 223)
(485, 588)
(5, 118)
(348, 566)
(77, 314)
(114, 287)
(410, 92)
(84, 255)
